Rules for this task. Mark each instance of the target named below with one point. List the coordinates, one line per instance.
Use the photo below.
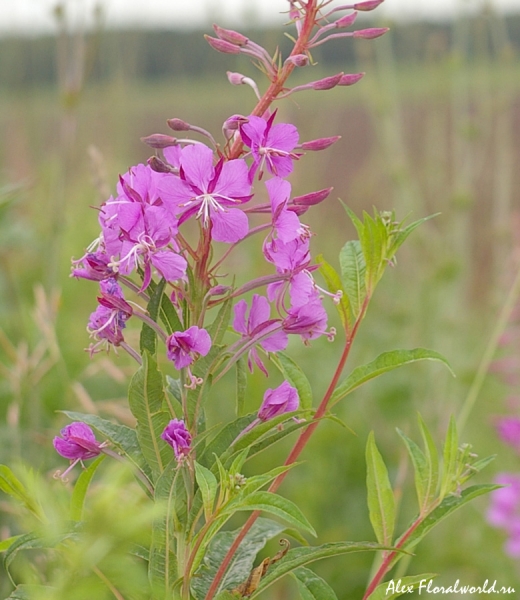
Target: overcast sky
(24, 15)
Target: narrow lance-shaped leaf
(10, 484)
(381, 503)
(241, 386)
(388, 361)
(207, 483)
(81, 487)
(450, 462)
(298, 557)
(146, 398)
(334, 285)
(272, 504)
(421, 470)
(353, 268)
(148, 340)
(311, 586)
(432, 459)
(295, 376)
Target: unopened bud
(326, 83)
(351, 79)
(312, 198)
(371, 33)
(235, 78)
(228, 35)
(178, 125)
(298, 60)
(234, 123)
(222, 45)
(219, 290)
(320, 144)
(368, 5)
(159, 141)
(159, 166)
(346, 21)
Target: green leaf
(148, 340)
(146, 397)
(432, 460)
(448, 506)
(381, 502)
(388, 361)
(421, 470)
(312, 587)
(400, 236)
(450, 460)
(298, 557)
(168, 315)
(208, 487)
(28, 591)
(295, 376)
(241, 386)
(353, 268)
(12, 486)
(272, 504)
(81, 487)
(242, 562)
(6, 544)
(223, 440)
(218, 328)
(395, 588)
(334, 284)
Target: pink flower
(77, 443)
(254, 325)
(282, 399)
(271, 145)
(509, 430)
(178, 437)
(504, 510)
(183, 347)
(209, 192)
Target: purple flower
(504, 510)
(77, 443)
(309, 320)
(209, 192)
(276, 402)
(255, 325)
(509, 430)
(184, 346)
(93, 266)
(179, 438)
(271, 145)
(286, 223)
(107, 322)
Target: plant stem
(300, 444)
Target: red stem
(385, 565)
(295, 452)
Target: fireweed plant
(198, 326)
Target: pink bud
(312, 198)
(159, 140)
(371, 33)
(369, 5)
(351, 79)
(228, 35)
(327, 82)
(159, 166)
(234, 122)
(178, 125)
(235, 78)
(346, 21)
(320, 144)
(222, 45)
(298, 60)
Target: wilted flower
(178, 437)
(77, 443)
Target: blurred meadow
(434, 127)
